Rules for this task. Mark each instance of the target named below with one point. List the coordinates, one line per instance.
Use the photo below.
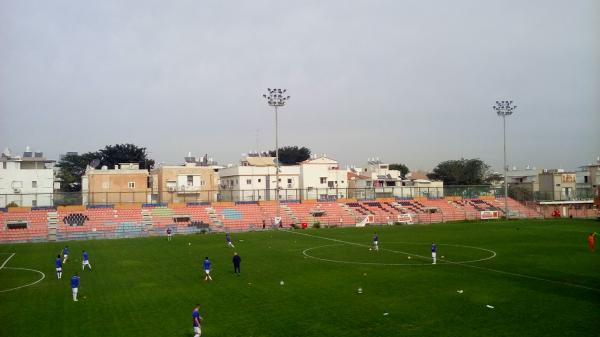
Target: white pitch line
(28, 284)
(464, 264)
(493, 254)
(16, 268)
(5, 262)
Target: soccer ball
(409, 257)
(370, 248)
(359, 290)
(281, 282)
(189, 243)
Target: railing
(319, 194)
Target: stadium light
(276, 98)
(503, 109)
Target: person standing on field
(591, 242)
(65, 254)
(169, 233)
(375, 242)
(237, 260)
(228, 239)
(196, 320)
(433, 252)
(75, 286)
(58, 267)
(86, 261)
(207, 265)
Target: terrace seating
(107, 221)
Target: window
(323, 180)
(585, 179)
(34, 184)
(190, 180)
(330, 184)
(33, 203)
(4, 165)
(248, 181)
(131, 184)
(259, 180)
(289, 181)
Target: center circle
(490, 254)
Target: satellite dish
(95, 163)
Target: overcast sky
(406, 81)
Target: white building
(26, 180)
(527, 178)
(375, 180)
(321, 178)
(255, 180)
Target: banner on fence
(363, 222)
(487, 215)
(405, 218)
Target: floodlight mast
(276, 98)
(503, 109)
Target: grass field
(538, 275)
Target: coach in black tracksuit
(237, 260)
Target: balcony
(183, 189)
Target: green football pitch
(517, 278)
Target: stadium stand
(114, 221)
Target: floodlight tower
(503, 109)
(276, 98)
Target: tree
(494, 178)
(112, 155)
(461, 172)
(72, 167)
(291, 155)
(400, 167)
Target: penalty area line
(574, 285)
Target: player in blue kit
(75, 286)
(196, 320)
(58, 263)
(65, 254)
(169, 233)
(207, 269)
(86, 261)
(433, 252)
(228, 239)
(376, 242)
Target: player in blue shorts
(375, 242)
(58, 267)
(86, 261)
(65, 254)
(228, 239)
(75, 286)
(207, 269)
(169, 233)
(196, 320)
(433, 252)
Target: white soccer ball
(359, 290)
(189, 243)
(281, 282)
(370, 249)
(409, 257)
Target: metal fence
(320, 194)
